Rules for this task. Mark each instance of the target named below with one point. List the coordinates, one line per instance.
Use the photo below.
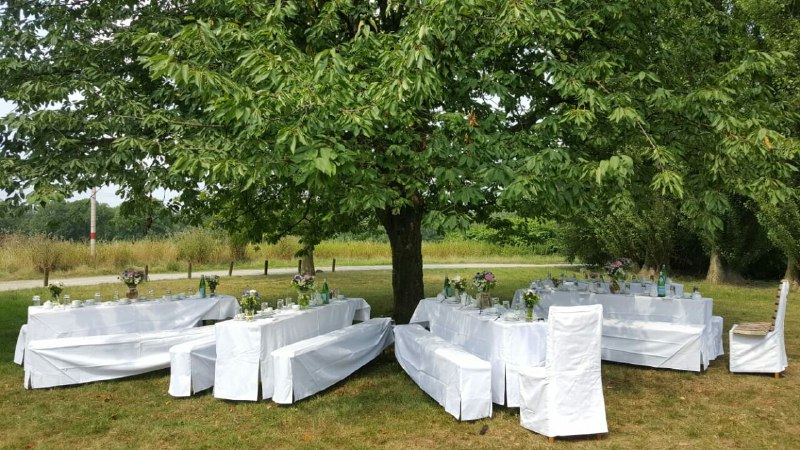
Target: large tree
(413, 111)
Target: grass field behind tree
(380, 407)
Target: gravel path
(101, 279)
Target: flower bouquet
(484, 282)
(305, 285)
(55, 290)
(132, 278)
(531, 297)
(212, 282)
(617, 270)
(459, 285)
(248, 301)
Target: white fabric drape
(762, 354)
(191, 366)
(506, 345)
(565, 397)
(108, 318)
(75, 360)
(304, 368)
(244, 349)
(455, 378)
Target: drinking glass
(67, 300)
(116, 295)
(506, 305)
(190, 292)
(97, 297)
(281, 304)
(37, 300)
(167, 294)
(150, 293)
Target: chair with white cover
(759, 347)
(565, 397)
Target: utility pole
(93, 224)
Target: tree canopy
(408, 111)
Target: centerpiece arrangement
(248, 301)
(132, 278)
(55, 291)
(212, 282)
(459, 285)
(617, 270)
(484, 282)
(531, 297)
(305, 285)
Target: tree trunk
(792, 275)
(716, 270)
(719, 273)
(307, 266)
(404, 228)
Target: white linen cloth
(244, 349)
(304, 368)
(108, 318)
(454, 377)
(762, 354)
(663, 332)
(506, 345)
(565, 397)
(75, 360)
(191, 366)
(22, 339)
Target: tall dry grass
(21, 255)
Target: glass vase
(303, 299)
(132, 292)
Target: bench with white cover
(76, 360)
(192, 366)
(312, 365)
(458, 380)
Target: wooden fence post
(230, 270)
(46, 276)
(190, 270)
(333, 266)
(266, 266)
(299, 265)
(146, 272)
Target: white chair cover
(458, 380)
(59, 362)
(761, 354)
(565, 397)
(191, 366)
(304, 368)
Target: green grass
(380, 406)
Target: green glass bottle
(326, 292)
(201, 292)
(662, 281)
(446, 287)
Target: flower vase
(213, 293)
(529, 312)
(458, 296)
(303, 299)
(249, 313)
(132, 292)
(614, 287)
(484, 299)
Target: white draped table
(506, 345)
(652, 331)
(244, 349)
(107, 318)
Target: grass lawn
(380, 406)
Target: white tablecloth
(244, 349)
(634, 307)
(501, 343)
(109, 318)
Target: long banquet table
(506, 345)
(107, 318)
(651, 331)
(244, 348)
